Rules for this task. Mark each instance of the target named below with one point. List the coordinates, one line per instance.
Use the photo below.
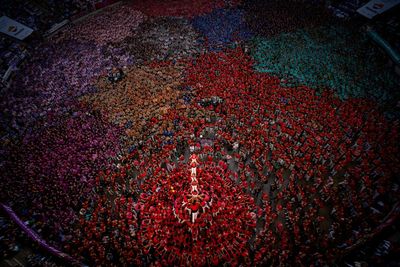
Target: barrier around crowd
(36, 238)
(392, 53)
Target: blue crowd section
(327, 57)
(222, 27)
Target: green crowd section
(334, 57)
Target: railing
(35, 237)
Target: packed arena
(199, 133)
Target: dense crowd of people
(222, 27)
(304, 159)
(145, 93)
(182, 8)
(58, 163)
(162, 143)
(318, 57)
(269, 18)
(320, 168)
(163, 38)
(93, 29)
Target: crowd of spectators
(322, 58)
(164, 38)
(269, 18)
(140, 146)
(145, 93)
(222, 28)
(181, 8)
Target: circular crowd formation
(161, 143)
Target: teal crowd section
(333, 57)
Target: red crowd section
(293, 176)
(180, 8)
(327, 156)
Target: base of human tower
(196, 201)
(203, 215)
